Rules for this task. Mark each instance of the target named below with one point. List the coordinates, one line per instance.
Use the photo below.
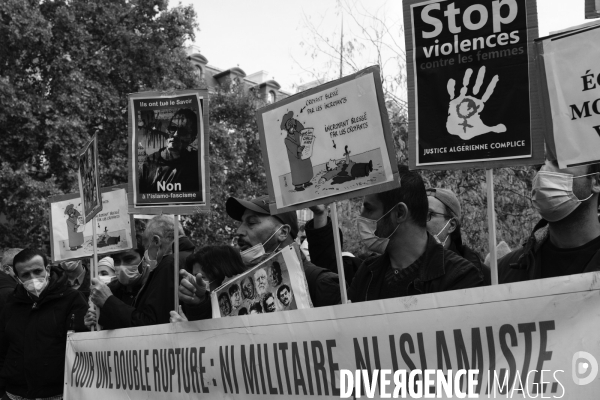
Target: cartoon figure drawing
(104, 239)
(75, 237)
(464, 119)
(300, 164)
(345, 170)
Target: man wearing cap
(443, 222)
(259, 235)
(302, 170)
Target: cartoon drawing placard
(168, 147)
(89, 188)
(329, 141)
(471, 77)
(572, 91)
(72, 238)
(276, 284)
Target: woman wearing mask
(106, 269)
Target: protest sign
(168, 149)
(538, 334)
(276, 284)
(331, 142)
(571, 94)
(71, 238)
(89, 188)
(471, 74)
(592, 9)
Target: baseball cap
(236, 207)
(448, 198)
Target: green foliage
(65, 72)
(236, 165)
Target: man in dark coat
(33, 328)
(155, 299)
(444, 222)
(301, 170)
(567, 240)
(412, 262)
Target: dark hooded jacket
(525, 263)
(440, 270)
(152, 305)
(33, 338)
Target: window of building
(199, 72)
(271, 97)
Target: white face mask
(70, 266)
(366, 229)
(127, 274)
(36, 286)
(437, 236)
(553, 196)
(106, 279)
(258, 250)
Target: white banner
(507, 332)
(573, 80)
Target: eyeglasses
(431, 213)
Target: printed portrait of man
(260, 279)
(284, 294)
(269, 303)
(224, 304)
(248, 288)
(174, 166)
(235, 295)
(256, 308)
(275, 274)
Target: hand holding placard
(464, 111)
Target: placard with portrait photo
(89, 188)
(277, 284)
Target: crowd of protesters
(413, 235)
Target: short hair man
(155, 300)
(235, 295)
(567, 240)
(248, 288)
(444, 222)
(284, 294)
(269, 303)
(33, 328)
(275, 277)
(393, 224)
(174, 163)
(224, 304)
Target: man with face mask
(443, 222)
(154, 301)
(567, 240)
(33, 329)
(412, 262)
(259, 235)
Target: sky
(272, 35)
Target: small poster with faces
(276, 284)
